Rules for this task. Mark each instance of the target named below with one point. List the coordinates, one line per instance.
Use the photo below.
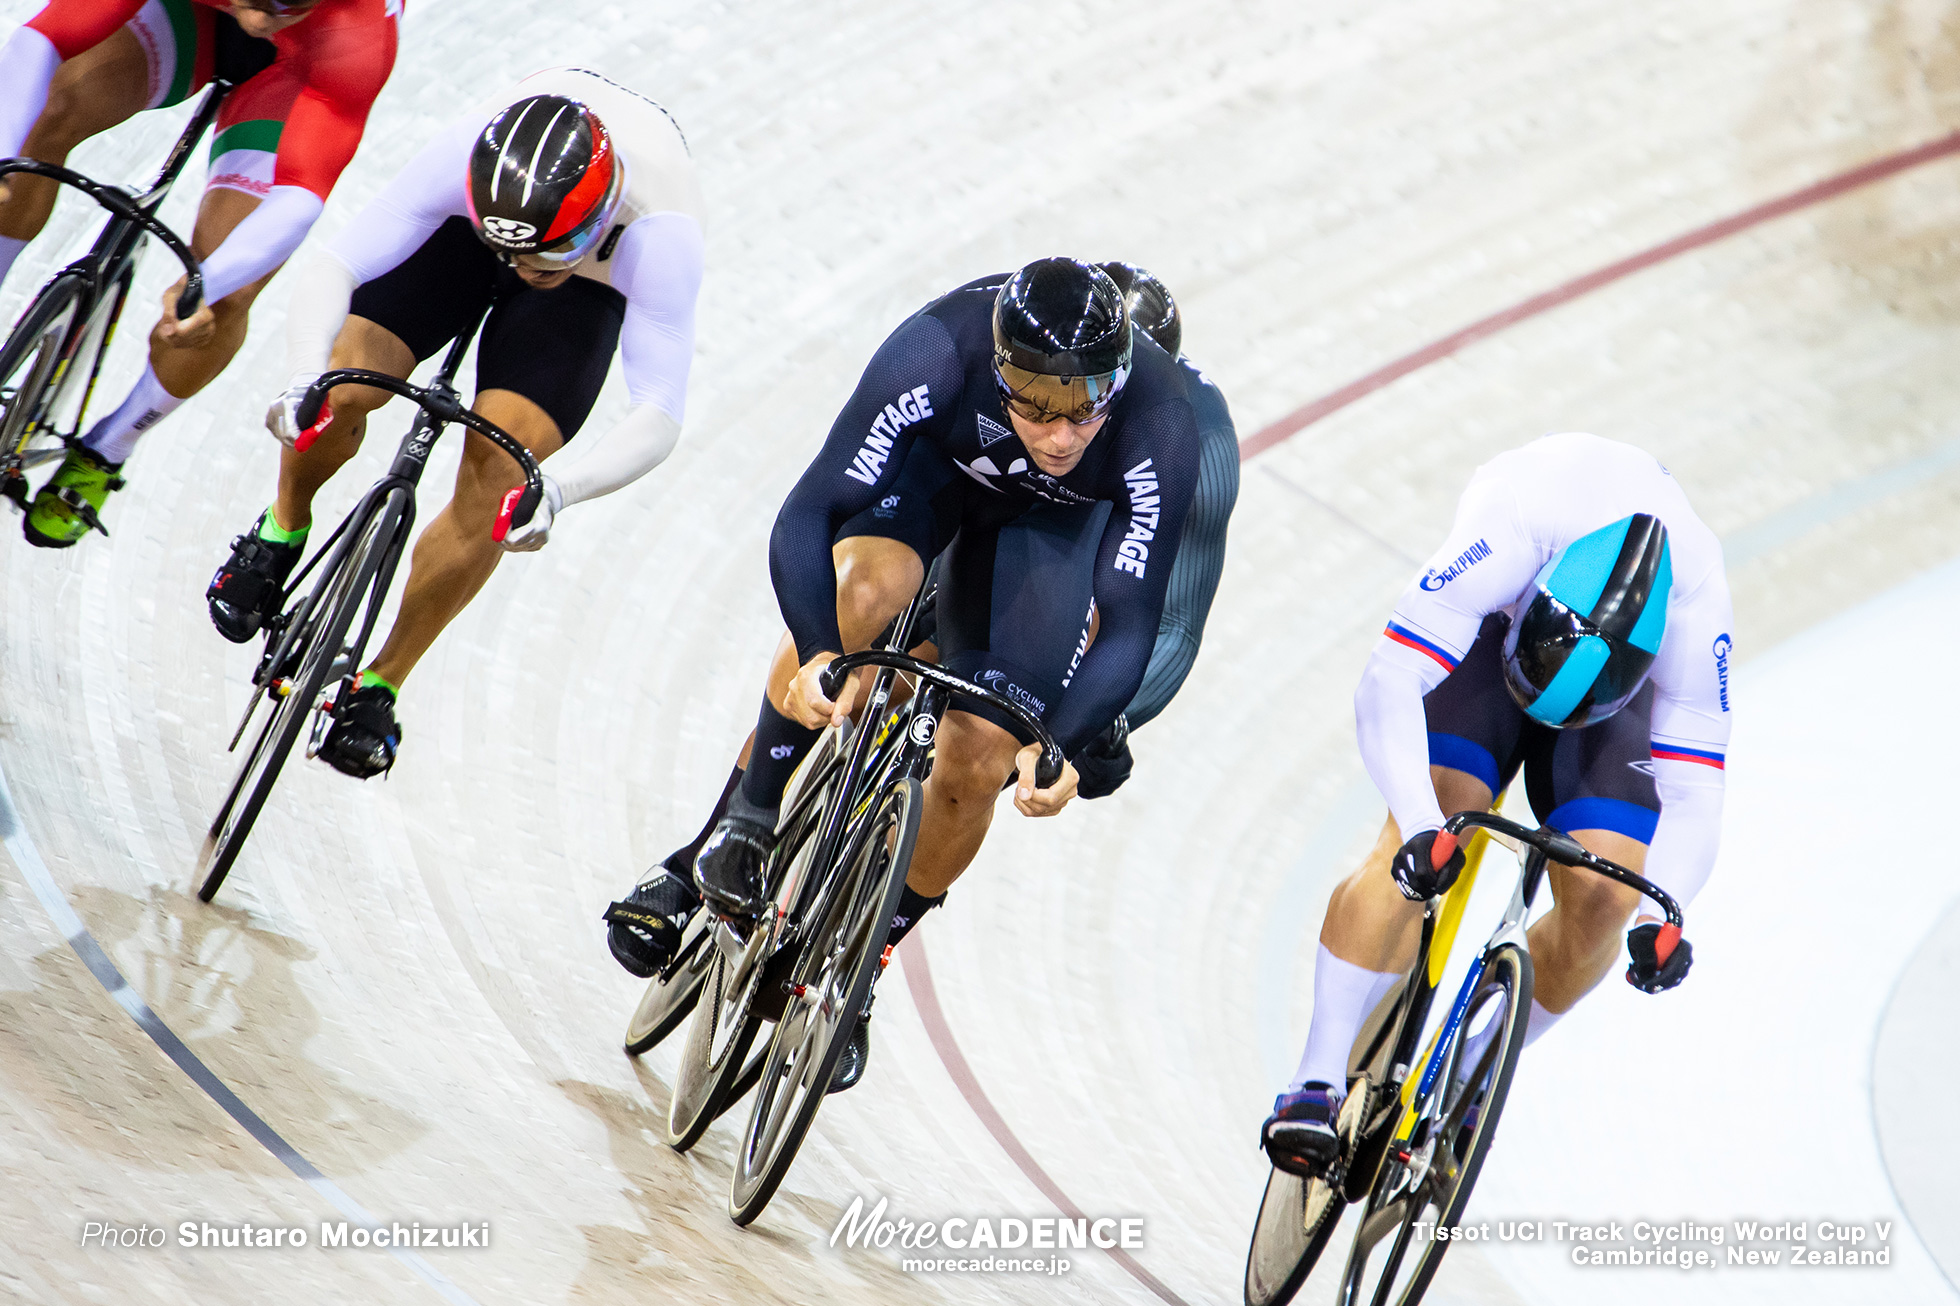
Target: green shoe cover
(55, 523)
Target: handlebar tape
(1664, 942)
(519, 506)
(304, 440)
(1442, 850)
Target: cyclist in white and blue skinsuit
(1575, 625)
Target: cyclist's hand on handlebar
(1415, 870)
(1030, 801)
(193, 332)
(805, 703)
(1646, 970)
(1106, 761)
(282, 418)
(531, 536)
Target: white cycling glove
(282, 417)
(531, 536)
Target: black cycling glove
(1104, 762)
(1415, 870)
(1646, 971)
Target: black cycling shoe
(365, 735)
(245, 592)
(729, 869)
(857, 1054)
(1299, 1136)
(645, 929)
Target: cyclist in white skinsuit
(1448, 711)
(574, 216)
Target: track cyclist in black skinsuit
(995, 406)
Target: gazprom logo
(870, 461)
(1722, 646)
(1470, 557)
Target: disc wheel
(1297, 1217)
(315, 646)
(32, 368)
(829, 987)
(670, 997)
(1427, 1180)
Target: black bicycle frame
(134, 214)
(438, 404)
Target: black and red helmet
(544, 182)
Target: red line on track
(1334, 401)
(918, 978)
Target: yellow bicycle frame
(1440, 944)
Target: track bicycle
(1412, 1144)
(51, 361)
(844, 845)
(313, 649)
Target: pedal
(323, 717)
(13, 488)
(82, 508)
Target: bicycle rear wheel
(32, 369)
(1427, 1180)
(670, 997)
(315, 648)
(828, 987)
(1297, 1217)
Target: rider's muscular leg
(1576, 943)
(456, 554)
(362, 344)
(1369, 923)
(91, 93)
(974, 759)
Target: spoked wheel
(670, 997)
(1298, 1216)
(31, 373)
(828, 989)
(718, 1038)
(297, 677)
(1427, 1179)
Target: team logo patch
(508, 229)
(991, 432)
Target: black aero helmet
(544, 182)
(1152, 310)
(1592, 624)
(1061, 341)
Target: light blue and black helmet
(1591, 625)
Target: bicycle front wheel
(828, 988)
(1425, 1182)
(315, 648)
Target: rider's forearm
(640, 443)
(264, 240)
(321, 294)
(1194, 576)
(1689, 832)
(1393, 733)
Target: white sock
(1343, 995)
(27, 64)
(9, 251)
(114, 438)
(1541, 1020)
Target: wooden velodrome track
(406, 979)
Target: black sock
(681, 860)
(912, 906)
(780, 744)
